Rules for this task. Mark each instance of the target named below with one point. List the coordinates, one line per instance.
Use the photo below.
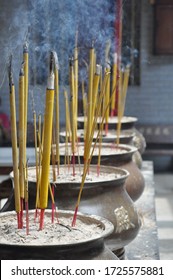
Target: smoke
(53, 24)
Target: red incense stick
(53, 204)
(75, 217)
(27, 217)
(42, 219)
(21, 212)
(73, 162)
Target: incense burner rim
(125, 119)
(122, 175)
(106, 225)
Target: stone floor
(164, 212)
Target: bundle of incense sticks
(14, 144)
(19, 162)
(124, 79)
(95, 84)
(89, 151)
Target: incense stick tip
(98, 69)
(21, 73)
(25, 47)
(50, 81)
(10, 71)
(56, 61)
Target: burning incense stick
(107, 98)
(125, 86)
(14, 144)
(22, 152)
(67, 122)
(95, 89)
(36, 155)
(122, 99)
(57, 108)
(118, 27)
(90, 92)
(84, 98)
(76, 80)
(114, 80)
(73, 125)
(48, 121)
(119, 109)
(69, 131)
(25, 62)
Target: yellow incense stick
(40, 170)
(57, 119)
(95, 89)
(90, 91)
(125, 86)
(114, 80)
(14, 144)
(68, 120)
(76, 82)
(48, 121)
(66, 126)
(122, 99)
(84, 98)
(26, 66)
(72, 101)
(40, 152)
(25, 170)
(119, 108)
(22, 154)
(35, 140)
(36, 155)
(53, 162)
(107, 94)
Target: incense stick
(48, 121)
(14, 144)
(57, 118)
(76, 82)
(88, 155)
(122, 100)
(114, 80)
(25, 65)
(73, 124)
(107, 99)
(95, 89)
(26, 197)
(118, 26)
(22, 153)
(90, 91)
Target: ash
(58, 233)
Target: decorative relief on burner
(122, 219)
